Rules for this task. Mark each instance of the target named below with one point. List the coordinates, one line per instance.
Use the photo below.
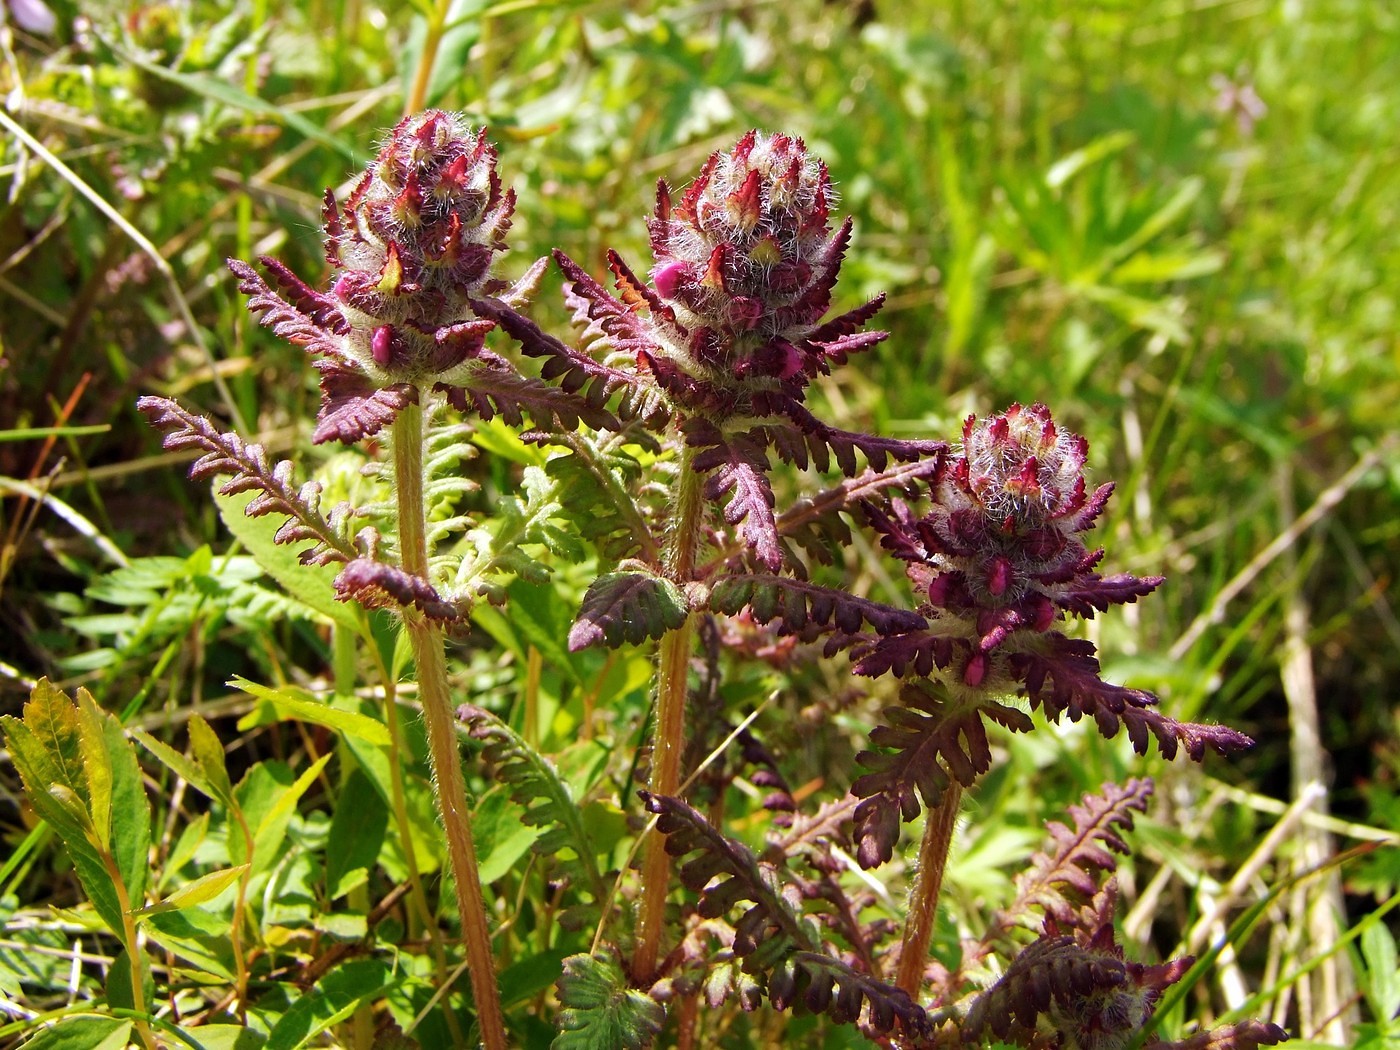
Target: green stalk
(665, 779)
(432, 41)
(928, 883)
(133, 952)
(444, 758)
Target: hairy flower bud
(412, 246)
(746, 257)
(414, 241)
(1001, 545)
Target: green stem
(432, 40)
(928, 883)
(673, 665)
(133, 952)
(444, 758)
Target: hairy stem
(669, 743)
(444, 758)
(923, 899)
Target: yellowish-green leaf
(291, 703)
(208, 752)
(1070, 165)
(97, 765)
(202, 889)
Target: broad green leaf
(273, 826)
(198, 936)
(267, 796)
(291, 702)
(503, 837)
(356, 835)
(312, 585)
(118, 982)
(228, 1037)
(335, 997)
(530, 976)
(197, 891)
(83, 1033)
(600, 1010)
(423, 827)
(1382, 971)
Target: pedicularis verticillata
(705, 366)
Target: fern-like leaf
(249, 469)
(575, 371)
(725, 874)
(535, 784)
(771, 935)
(627, 607)
(935, 737)
(1084, 853)
(736, 466)
(829, 986)
(1064, 678)
(1243, 1035)
(375, 585)
(1077, 989)
(800, 606)
(600, 1011)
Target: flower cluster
(1000, 564)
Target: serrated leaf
(312, 585)
(128, 830)
(46, 749)
(600, 1011)
(535, 784)
(291, 702)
